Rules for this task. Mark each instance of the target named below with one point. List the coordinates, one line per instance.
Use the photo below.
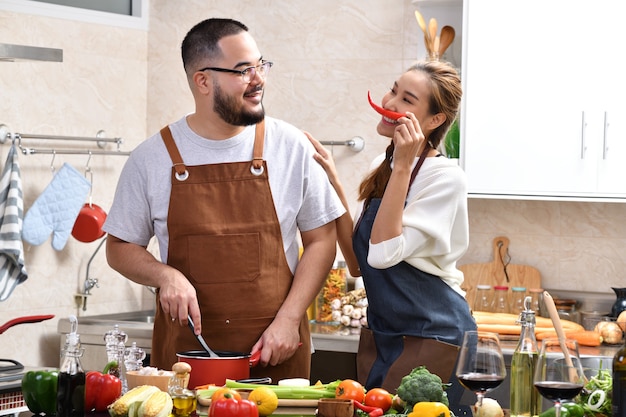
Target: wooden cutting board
(495, 273)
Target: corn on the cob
(128, 404)
(159, 404)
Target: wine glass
(559, 374)
(480, 367)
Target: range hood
(11, 53)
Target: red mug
(88, 225)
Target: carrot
(583, 337)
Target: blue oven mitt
(57, 208)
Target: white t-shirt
(303, 197)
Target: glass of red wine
(559, 374)
(480, 367)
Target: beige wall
(327, 55)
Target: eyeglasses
(247, 74)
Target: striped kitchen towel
(12, 268)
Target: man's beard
(230, 111)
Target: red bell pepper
(387, 113)
(371, 411)
(230, 407)
(101, 390)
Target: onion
(596, 406)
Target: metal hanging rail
(356, 143)
(33, 151)
(100, 140)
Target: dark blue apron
(405, 301)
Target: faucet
(89, 282)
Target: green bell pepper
(39, 389)
(567, 410)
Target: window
(124, 13)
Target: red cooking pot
(207, 370)
(88, 225)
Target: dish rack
(12, 403)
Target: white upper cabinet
(544, 103)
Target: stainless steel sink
(146, 316)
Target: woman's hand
(324, 159)
(408, 140)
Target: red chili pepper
(229, 407)
(387, 113)
(101, 390)
(371, 411)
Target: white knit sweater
(435, 233)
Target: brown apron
(224, 236)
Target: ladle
(201, 339)
(446, 38)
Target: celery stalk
(312, 392)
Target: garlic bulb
(610, 331)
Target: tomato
(225, 392)
(349, 389)
(378, 397)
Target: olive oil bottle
(525, 400)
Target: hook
(90, 172)
(54, 154)
(87, 168)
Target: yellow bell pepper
(430, 409)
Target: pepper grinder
(115, 346)
(133, 358)
(112, 339)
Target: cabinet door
(530, 127)
(610, 92)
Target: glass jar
(483, 299)
(334, 288)
(567, 309)
(501, 299)
(536, 301)
(518, 294)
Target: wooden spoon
(421, 21)
(548, 301)
(446, 38)
(432, 32)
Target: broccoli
(421, 385)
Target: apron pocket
(438, 357)
(218, 259)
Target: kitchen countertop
(326, 337)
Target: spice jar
(483, 299)
(518, 294)
(501, 299)
(567, 310)
(536, 301)
(334, 288)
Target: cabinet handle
(605, 147)
(583, 132)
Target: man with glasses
(226, 190)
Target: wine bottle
(525, 400)
(619, 383)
